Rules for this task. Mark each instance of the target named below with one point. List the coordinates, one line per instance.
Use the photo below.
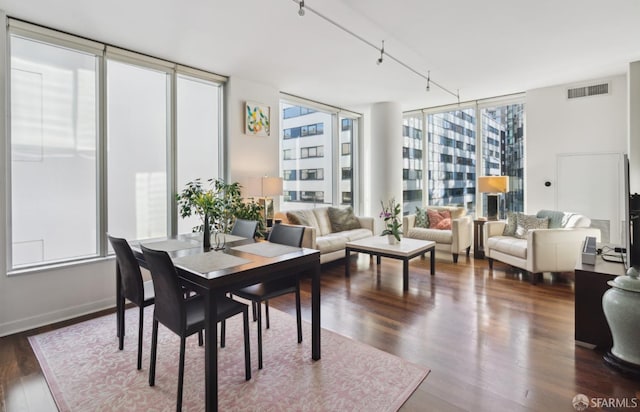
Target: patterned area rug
(86, 371)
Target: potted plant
(218, 206)
(391, 215)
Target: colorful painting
(258, 119)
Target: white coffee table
(405, 250)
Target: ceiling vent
(586, 91)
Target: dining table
(213, 273)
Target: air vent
(586, 91)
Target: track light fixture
(380, 60)
(302, 11)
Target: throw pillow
(343, 219)
(422, 220)
(529, 222)
(512, 224)
(556, 219)
(439, 219)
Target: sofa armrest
(461, 233)
(366, 223)
(556, 250)
(309, 237)
(408, 222)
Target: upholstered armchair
(554, 249)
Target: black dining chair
(261, 292)
(245, 228)
(185, 315)
(133, 288)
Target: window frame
(104, 52)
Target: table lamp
(264, 188)
(493, 186)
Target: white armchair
(456, 240)
(542, 250)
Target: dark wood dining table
(256, 264)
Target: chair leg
(180, 373)
(121, 325)
(200, 338)
(490, 263)
(223, 332)
(455, 258)
(247, 350)
(253, 309)
(140, 323)
(266, 311)
(298, 312)
(468, 251)
(154, 345)
(259, 339)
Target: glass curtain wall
(455, 157)
(317, 156)
(412, 162)
(451, 156)
(502, 151)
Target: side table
(478, 238)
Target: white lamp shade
(271, 186)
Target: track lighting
(303, 9)
(380, 60)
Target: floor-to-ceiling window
(451, 153)
(317, 155)
(137, 166)
(412, 162)
(464, 142)
(101, 139)
(503, 149)
(54, 135)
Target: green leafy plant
(220, 202)
(391, 215)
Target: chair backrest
(169, 301)
(130, 275)
(290, 235)
(245, 228)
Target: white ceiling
(481, 48)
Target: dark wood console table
(591, 327)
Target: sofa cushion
(331, 242)
(422, 219)
(355, 234)
(556, 219)
(512, 224)
(435, 235)
(322, 217)
(304, 217)
(342, 219)
(529, 222)
(439, 219)
(508, 245)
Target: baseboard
(24, 324)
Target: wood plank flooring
(493, 341)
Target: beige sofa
(326, 231)
(555, 249)
(455, 241)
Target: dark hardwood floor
(493, 341)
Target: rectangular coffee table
(405, 250)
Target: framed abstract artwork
(257, 119)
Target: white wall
(250, 156)
(556, 125)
